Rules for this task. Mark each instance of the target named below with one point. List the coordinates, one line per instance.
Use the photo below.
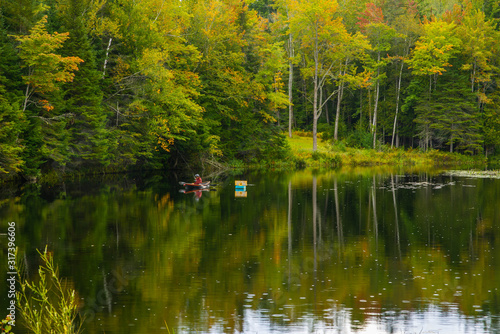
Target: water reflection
(307, 251)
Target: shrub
(359, 139)
(48, 306)
(302, 133)
(326, 158)
(235, 163)
(339, 146)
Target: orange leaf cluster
(371, 15)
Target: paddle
(211, 184)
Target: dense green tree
(11, 123)
(491, 125)
(12, 120)
(88, 136)
(454, 114)
(22, 15)
(10, 72)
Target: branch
(328, 98)
(323, 78)
(27, 96)
(159, 11)
(55, 118)
(122, 114)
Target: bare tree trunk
(106, 59)
(327, 114)
(337, 114)
(370, 109)
(316, 112)
(340, 95)
(26, 97)
(377, 91)
(398, 91)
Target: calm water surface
(303, 252)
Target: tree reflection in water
(349, 252)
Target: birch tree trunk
(26, 97)
(316, 112)
(398, 90)
(340, 94)
(375, 108)
(327, 114)
(106, 58)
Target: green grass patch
(339, 154)
(301, 145)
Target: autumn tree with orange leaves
(45, 72)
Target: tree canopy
(114, 84)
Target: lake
(345, 251)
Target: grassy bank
(327, 154)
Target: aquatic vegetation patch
(487, 174)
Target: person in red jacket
(197, 179)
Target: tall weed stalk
(47, 305)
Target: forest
(105, 85)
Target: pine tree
(449, 117)
(11, 123)
(10, 73)
(11, 118)
(88, 137)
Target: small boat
(195, 186)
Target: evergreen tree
(11, 123)
(10, 73)
(21, 15)
(88, 137)
(491, 125)
(450, 116)
(12, 119)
